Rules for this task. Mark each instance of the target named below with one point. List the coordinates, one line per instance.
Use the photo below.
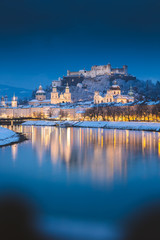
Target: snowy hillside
(84, 90)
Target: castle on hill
(100, 70)
(113, 95)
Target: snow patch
(7, 136)
(141, 126)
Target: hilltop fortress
(97, 71)
(100, 70)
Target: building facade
(113, 95)
(63, 98)
(40, 98)
(5, 103)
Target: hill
(21, 93)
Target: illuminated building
(63, 98)
(113, 95)
(14, 102)
(40, 98)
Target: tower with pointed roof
(54, 95)
(63, 98)
(67, 94)
(3, 101)
(14, 101)
(130, 92)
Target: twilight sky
(41, 39)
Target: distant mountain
(21, 93)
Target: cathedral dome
(115, 86)
(40, 91)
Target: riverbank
(8, 137)
(138, 126)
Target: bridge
(16, 121)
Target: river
(85, 174)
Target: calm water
(92, 174)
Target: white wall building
(113, 95)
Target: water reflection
(14, 149)
(97, 153)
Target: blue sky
(40, 40)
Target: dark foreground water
(91, 175)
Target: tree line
(124, 113)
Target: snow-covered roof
(40, 101)
(115, 87)
(40, 90)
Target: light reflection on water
(83, 172)
(103, 155)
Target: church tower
(3, 101)
(67, 94)
(14, 101)
(130, 92)
(54, 95)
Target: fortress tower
(108, 68)
(125, 68)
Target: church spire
(54, 89)
(67, 88)
(130, 92)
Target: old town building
(113, 95)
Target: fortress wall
(73, 73)
(100, 70)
